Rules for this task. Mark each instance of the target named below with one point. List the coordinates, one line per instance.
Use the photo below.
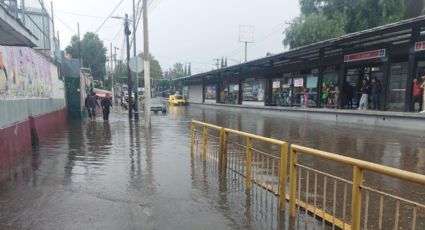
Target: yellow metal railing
(264, 161)
(266, 167)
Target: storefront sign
(276, 84)
(364, 55)
(236, 87)
(419, 46)
(298, 82)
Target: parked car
(158, 106)
(176, 100)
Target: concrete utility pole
(136, 112)
(112, 76)
(147, 66)
(127, 33)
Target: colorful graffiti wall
(24, 72)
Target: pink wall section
(15, 140)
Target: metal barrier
(266, 170)
(264, 162)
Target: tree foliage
(93, 53)
(155, 68)
(324, 19)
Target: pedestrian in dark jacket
(376, 94)
(106, 105)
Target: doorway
(353, 82)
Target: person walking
(376, 93)
(364, 90)
(417, 92)
(92, 104)
(106, 105)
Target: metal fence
(342, 203)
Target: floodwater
(118, 175)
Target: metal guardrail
(270, 170)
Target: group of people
(330, 95)
(91, 104)
(372, 90)
(418, 94)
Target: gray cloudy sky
(195, 31)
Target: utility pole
(147, 66)
(246, 51)
(115, 68)
(136, 111)
(217, 64)
(112, 76)
(127, 33)
(53, 19)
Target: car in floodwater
(177, 100)
(158, 106)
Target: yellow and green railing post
(293, 183)
(248, 162)
(222, 159)
(204, 143)
(356, 199)
(283, 174)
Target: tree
(155, 67)
(178, 70)
(346, 16)
(93, 53)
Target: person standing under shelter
(106, 105)
(364, 90)
(423, 93)
(376, 94)
(417, 94)
(348, 91)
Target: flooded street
(117, 175)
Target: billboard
(24, 72)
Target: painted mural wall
(24, 72)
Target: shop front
(253, 91)
(229, 92)
(397, 88)
(363, 67)
(210, 93)
(296, 89)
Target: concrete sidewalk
(399, 120)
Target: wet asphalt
(118, 175)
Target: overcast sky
(195, 31)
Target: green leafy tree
(178, 70)
(93, 53)
(345, 16)
(155, 67)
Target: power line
(109, 16)
(78, 14)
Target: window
(254, 90)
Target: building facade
(325, 74)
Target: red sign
(419, 46)
(364, 55)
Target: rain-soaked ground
(117, 175)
